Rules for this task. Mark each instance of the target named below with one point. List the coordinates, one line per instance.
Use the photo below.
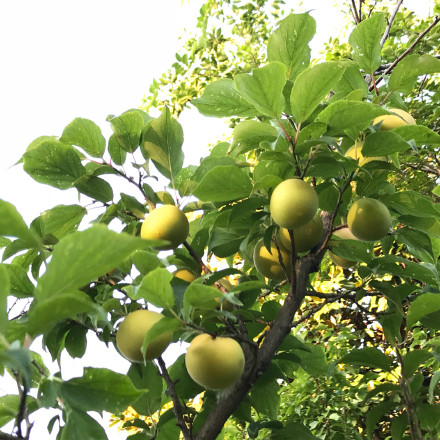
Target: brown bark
(257, 360)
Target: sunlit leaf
(100, 389)
(223, 183)
(404, 75)
(367, 357)
(311, 87)
(289, 43)
(54, 163)
(422, 306)
(221, 98)
(163, 141)
(13, 225)
(82, 257)
(365, 41)
(263, 88)
(85, 134)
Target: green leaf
(9, 405)
(404, 75)
(365, 41)
(80, 425)
(62, 220)
(351, 81)
(53, 163)
(263, 88)
(146, 261)
(156, 288)
(325, 167)
(13, 225)
(84, 256)
(200, 296)
(328, 196)
(289, 44)
(312, 86)
(20, 285)
(420, 134)
(4, 292)
(76, 342)
(163, 141)
(345, 114)
(411, 203)
(146, 377)
(186, 388)
(421, 307)
(395, 265)
(224, 241)
(85, 134)
(222, 184)
(313, 360)
(100, 389)
(433, 386)
(248, 134)
(376, 413)
(94, 187)
(352, 250)
(221, 98)
(47, 312)
(127, 128)
(383, 143)
(265, 398)
(18, 359)
(162, 326)
(367, 357)
(117, 153)
(293, 430)
(413, 359)
(398, 426)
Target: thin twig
(407, 51)
(390, 22)
(196, 257)
(310, 313)
(413, 420)
(354, 12)
(177, 406)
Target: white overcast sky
(62, 59)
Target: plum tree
(306, 236)
(267, 263)
(345, 234)
(312, 337)
(131, 334)
(293, 203)
(369, 219)
(214, 362)
(388, 122)
(166, 223)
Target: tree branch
(193, 254)
(407, 51)
(257, 360)
(177, 406)
(414, 425)
(354, 12)
(390, 22)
